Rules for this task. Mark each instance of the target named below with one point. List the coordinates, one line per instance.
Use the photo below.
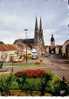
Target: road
(59, 67)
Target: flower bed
(31, 73)
(35, 82)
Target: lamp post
(26, 45)
(11, 60)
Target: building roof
(7, 47)
(28, 41)
(25, 41)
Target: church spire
(40, 26)
(36, 35)
(36, 25)
(41, 32)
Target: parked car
(34, 54)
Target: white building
(6, 51)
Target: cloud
(16, 15)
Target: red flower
(31, 73)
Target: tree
(1, 42)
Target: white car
(34, 54)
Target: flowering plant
(31, 73)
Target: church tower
(41, 33)
(38, 38)
(52, 41)
(36, 33)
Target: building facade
(61, 50)
(7, 51)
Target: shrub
(5, 83)
(37, 62)
(44, 83)
(14, 84)
(61, 89)
(1, 64)
(21, 81)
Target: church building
(37, 42)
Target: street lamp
(26, 45)
(11, 60)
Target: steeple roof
(36, 25)
(52, 38)
(40, 25)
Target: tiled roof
(7, 47)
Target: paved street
(59, 66)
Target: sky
(17, 15)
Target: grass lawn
(28, 64)
(20, 64)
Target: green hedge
(50, 83)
